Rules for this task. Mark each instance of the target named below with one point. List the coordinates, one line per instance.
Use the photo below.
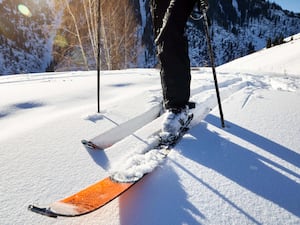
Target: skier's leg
(169, 20)
(172, 49)
(158, 11)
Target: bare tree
(79, 29)
(77, 33)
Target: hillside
(49, 36)
(247, 173)
(26, 36)
(238, 28)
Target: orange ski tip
(70, 209)
(90, 198)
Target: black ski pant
(169, 21)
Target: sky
(292, 5)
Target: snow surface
(247, 173)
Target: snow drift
(247, 173)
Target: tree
(118, 33)
(269, 43)
(251, 48)
(79, 30)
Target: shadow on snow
(235, 162)
(168, 202)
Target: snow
(278, 60)
(246, 173)
(236, 7)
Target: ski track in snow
(205, 96)
(139, 163)
(247, 173)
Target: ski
(90, 145)
(111, 136)
(85, 201)
(117, 131)
(102, 192)
(141, 163)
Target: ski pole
(98, 56)
(204, 6)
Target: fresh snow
(247, 173)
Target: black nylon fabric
(169, 21)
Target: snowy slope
(282, 60)
(247, 173)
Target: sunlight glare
(60, 41)
(24, 10)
